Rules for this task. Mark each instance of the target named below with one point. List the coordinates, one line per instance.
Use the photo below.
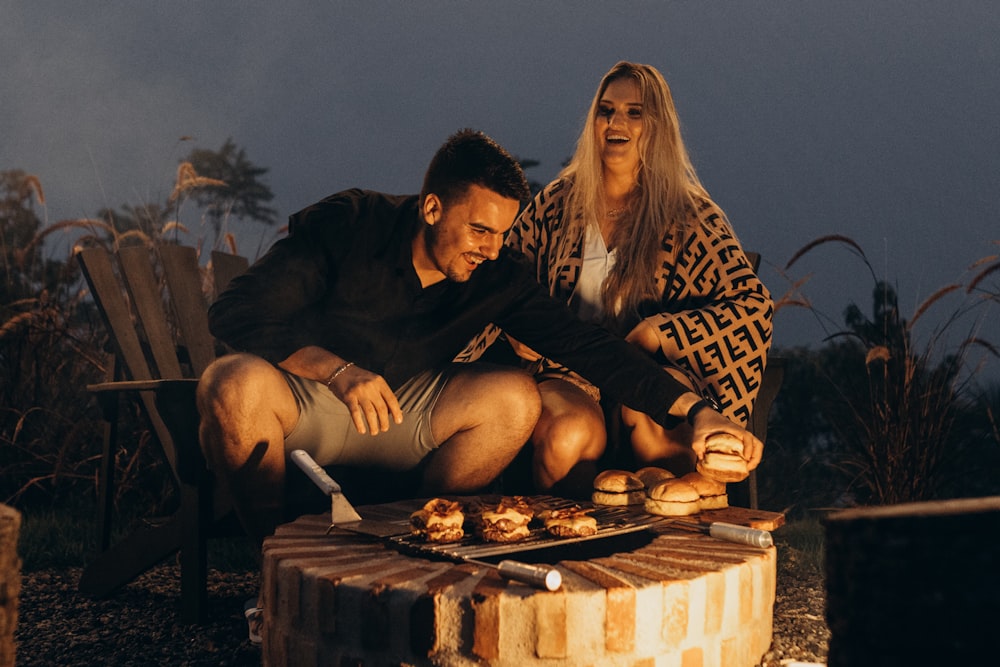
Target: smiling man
(346, 332)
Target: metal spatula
(341, 510)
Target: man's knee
(572, 435)
(233, 372)
(238, 384)
(516, 400)
(498, 397)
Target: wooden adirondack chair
(159, 329)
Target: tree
(23, 266)
(244, 195)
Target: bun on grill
(712, 492)
(672, 497)
(618, 487)
(651, 475)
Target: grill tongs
(344, 516)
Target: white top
(597, 263)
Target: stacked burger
(439, 520)
(506, 521)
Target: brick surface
(675, 613)
(683, 600)
(693, 657)
(423, 626)
(375, 626)
(715, 591)
(550, 623)
(486, 624)
(620, 619)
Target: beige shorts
(326, 431)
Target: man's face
(461, 236)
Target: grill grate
(610, 521)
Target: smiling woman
(629, 238)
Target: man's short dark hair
(469, 157)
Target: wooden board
(742, 516)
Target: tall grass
(905, 415)
(53, 343)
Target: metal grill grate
(611, 521)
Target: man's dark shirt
(343, 279)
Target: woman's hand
(710, 422)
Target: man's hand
(369, 399)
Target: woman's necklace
(617, 211)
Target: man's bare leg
(483, 417)
(569, 438)
(246, 409)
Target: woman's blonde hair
(668, 191)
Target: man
(348, 326)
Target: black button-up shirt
(343, 279)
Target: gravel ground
(139, 626)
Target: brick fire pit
(666, 598)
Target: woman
(628, 237)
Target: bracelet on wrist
(334, 375)
(698, 407)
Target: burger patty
(505, 525)
(494, 533)
(574, 530)
(447, 535)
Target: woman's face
(618, 125)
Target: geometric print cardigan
(713, 307)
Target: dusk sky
(875, 120)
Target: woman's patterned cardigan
(715, 308)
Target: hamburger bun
(617, 481)
(618, 487)
(712, 492)
(672, 497)
(723, 460)
(636, 497)
(651, 475)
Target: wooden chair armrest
(175, 403)
(138, 385)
